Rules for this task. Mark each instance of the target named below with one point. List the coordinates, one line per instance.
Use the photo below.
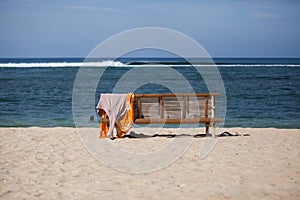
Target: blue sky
(72, 28)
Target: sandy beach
(52, 163)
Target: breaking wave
(67, 64)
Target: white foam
(67, 64)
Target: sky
(225, 28)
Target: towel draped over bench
(119, 109)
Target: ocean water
(259, 92)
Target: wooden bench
(175, 109)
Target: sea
(260, 92)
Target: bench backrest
(174, 108)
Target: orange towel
(103, 126)
(124, 124)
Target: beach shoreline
(52, 163)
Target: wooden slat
(176, 95)
(175, 121)
(161, 107)
(170, 121)
(212, 107)
(138, 107)
(213, 115)
(188, 106)
(183, 108)
(205, 107)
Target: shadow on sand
(133, 135)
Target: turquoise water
(259, 92)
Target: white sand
(51, 163)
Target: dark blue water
(259, 92)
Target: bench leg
(214, 129)
(207, 128)
(207, 125)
